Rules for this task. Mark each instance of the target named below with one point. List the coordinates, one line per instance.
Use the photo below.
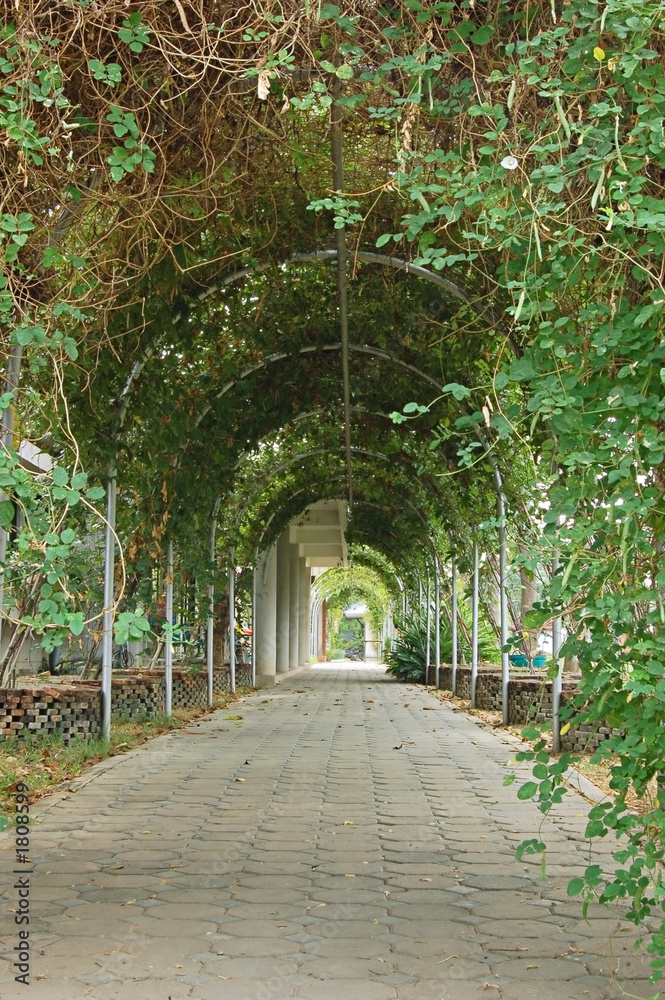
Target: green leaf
(575, 886)
(458, 391)
(527, 791)
(76, 624)
(67, 536)
(344, 72)
(328, 12)
(386, 237)
(521, 370)
(483, 35)
(71, 348)
(60, 476)
(6, 514)
(596, 828)
(612, 891)
(25, 335)
(536, 618)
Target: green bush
(406, 658)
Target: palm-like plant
(407, 659)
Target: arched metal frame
(370, 257)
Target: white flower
(509, 163)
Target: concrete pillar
(282, 603)
(371, 644)
(305, 575)
(294, 605)
(265, 617)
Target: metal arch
(498, 480)
(396, 263)
(333, 479)
(302, 456)
(369, 257)
(306, 415)
(385, 355)
(419, 515)
(303, 489)
(315, 349)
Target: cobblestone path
(348, 838)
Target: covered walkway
(339, 836)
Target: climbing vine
(165, 176)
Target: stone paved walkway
(348, 839)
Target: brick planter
(74, 709)
(529, 700)
(70, 710)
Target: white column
(294, 605)
(282, 603)
(265, 618)
(305, 589)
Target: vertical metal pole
(437, 620)
(232, 624)
(428, 640)
(11, 384)
(337, 156)
(168, 649)
(107, 626)
(474, 625)
(253, 644)
(210, 633)
(453, 612)
(503, 585)
(557, 683)
(503, 570)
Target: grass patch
(43, 762)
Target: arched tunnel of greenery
(180, 246)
